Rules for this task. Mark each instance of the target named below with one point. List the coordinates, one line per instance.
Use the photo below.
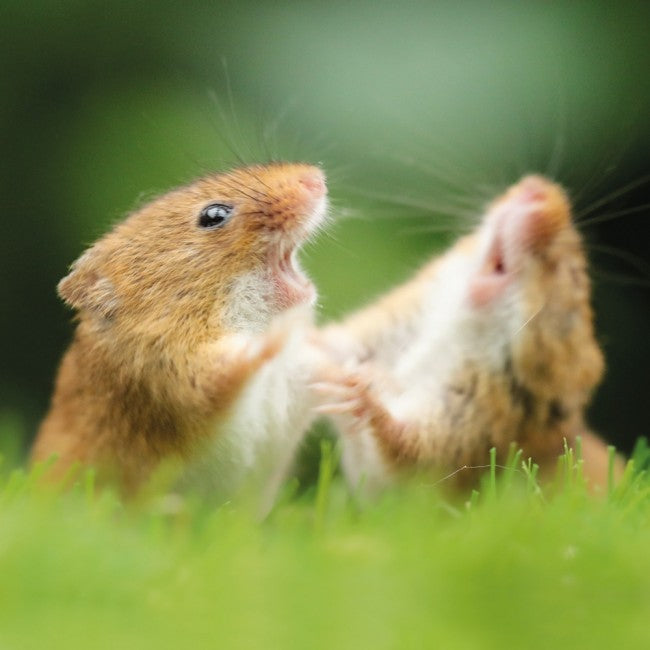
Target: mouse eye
(214, 215)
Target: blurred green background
(417, 111)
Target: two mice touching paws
(347, 397)
(346, 390)
(195, 342)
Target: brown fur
(154, 360)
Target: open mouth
(293, 274)
(290, 284)
(495, 263)
(493, 275)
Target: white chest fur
(254, 445)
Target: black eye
(214, 215)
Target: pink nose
(314, 182)
(533, 188)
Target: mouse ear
(86, 288)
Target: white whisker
(464, 467)
(535, 314)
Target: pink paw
(348, 399)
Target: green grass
(514, 566)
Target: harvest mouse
(490, 343)
(190, 343)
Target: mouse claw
(351, 406)
(347, 399)
(329, 388)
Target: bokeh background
(419, 112)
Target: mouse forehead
(263, 182)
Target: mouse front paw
(252, 352)
(350, 400)
(229, 364)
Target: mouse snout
(313, 180)
(533, 212)
(294, 197)
(533, 188)
(521, 226)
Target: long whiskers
(634, 261)
(446, 177)
(531, 318)
(621, 191)
(222, 125)
(411, 202)
(248, 192)
(610, 216)
(620, 279)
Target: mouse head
(529, 281)
(217, 253)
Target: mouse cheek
(485, 289)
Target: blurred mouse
(491, 343)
